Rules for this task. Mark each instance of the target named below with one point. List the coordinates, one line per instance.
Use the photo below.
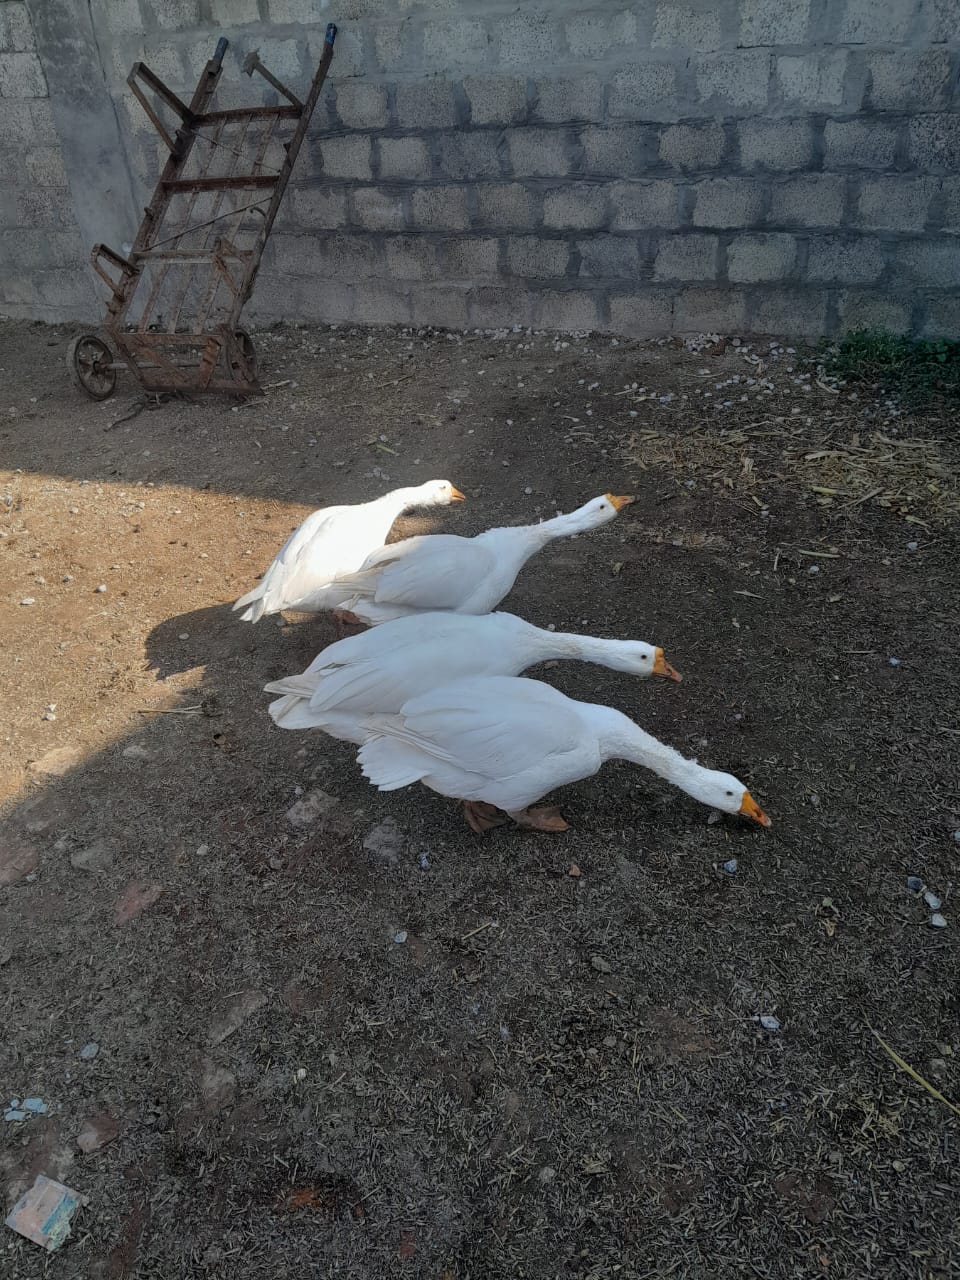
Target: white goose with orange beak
(380, 670)
(499, 744)
(460, 575)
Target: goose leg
(344, 618)
(480, 816)
(546, 818)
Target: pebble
(89, 1051)
(913, 546)
(27, 601)
(730, 867)
(956, 836)
(547, 1174)
(932, 901)
(400, 937)
(769, 1022)
(184, 635)
(35, 1105)
(101, 589)
(601, 965)
(894, 662)
(914, 884)
(937, 921)
(14, 1114)
(424, 862)
(812, 569)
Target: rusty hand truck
(176, 296)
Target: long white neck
(397, 501)
(579, 521)
(619, 655)
(621, 739)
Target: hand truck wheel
(91, 364)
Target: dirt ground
(337, 1033)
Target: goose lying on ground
(379, 670)
(461, 575)
(502, 743)
(330, 542)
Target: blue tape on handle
(331, 32)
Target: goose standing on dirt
(379, 670)
(500, 743)
(330, 542)
(460, 575)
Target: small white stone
(101, 589)
(932, 901)
(937, 921)
(27, 601)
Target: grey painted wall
(784, 166)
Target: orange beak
(619, 503)
(456, 495)
(661, 667)
(750, 809)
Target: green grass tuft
(919, 371)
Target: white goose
(461, 575)
(377, 671)
(330, 542)
(502, 743)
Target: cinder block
(538, 153)
(442, 308)
(570, 312)
(529, 39)
(381, 303)
(591, 35)
(297, 11)
(839, 260)
(934, 142)
(474, 154)
(735, 81)
(45, 167)
(681, 26)
(27, 124)
(689, 146)
(404, 158)
(895, 204)
(456, 42)
(776, 144)
(944, 20)
(426, 104)
(610, 257)
(864, 309)
(441, 208)
(492, 306)
(469, 259)
(909, 78)
(21, 76)
(773, 22)
(647, 91)
(686, 257)
(560, 101)
(643, 206)
(377, 210)
(751, 259)
(791, 314)
(580, 206)
(67, 290)
(229, 13)
(536, 258)
(865, 22)
(346, 157)
(410, 258)
(808, 200)
(321, 207)
(863, 144)
(388, 45)
(45, 207)
(510, 206)
(362, 105)
(624, 151)
(709, 311)
(646, 314)
(496, 99)
(942, 318)
(934, 263)
(16, 30)
(175, 15)
(951, 204)
(34, 249)
(727, 202)
(812, 79)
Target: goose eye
(729, 793)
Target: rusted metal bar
(174, 185)
(250, 113)
(190, 255)
(252, 63)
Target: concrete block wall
(782, 166)
(41, 248)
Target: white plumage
(463, 575)
(381, 669)
(506, 742)
(331, 542)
